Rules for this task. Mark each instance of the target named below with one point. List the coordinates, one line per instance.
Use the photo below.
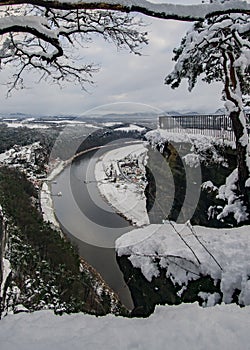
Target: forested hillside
(24, 136)
(45, 267)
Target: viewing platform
(214, 125)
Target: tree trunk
(242, 149)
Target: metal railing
(214, 125)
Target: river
(89, 222)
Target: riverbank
(125, 193)
(46, 202)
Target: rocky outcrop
(5, 270)
(161, 290)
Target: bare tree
(43, 39)
(219, 50)
(40, 34)
(162, 10)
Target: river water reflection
(89, 221)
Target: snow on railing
(214, 125)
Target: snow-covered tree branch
(164, 10)
(219, 50)
(41, 34)
(43, 39)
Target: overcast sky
(124, 82)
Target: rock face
(1, 252)
(172, 174)
(165, 196)
(161, 290)
(1, 247)
(5, 271)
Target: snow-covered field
(27, 125)
(126, 197)
(186, 327)
(45, 124)
(131, 127)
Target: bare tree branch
(41, 34)
(45, 40)
(165, 11)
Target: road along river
(89, 222)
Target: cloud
(122, 77)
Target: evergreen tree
(218, 49)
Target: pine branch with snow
(218, 49)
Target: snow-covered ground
(131, 127)
(4, 156)
(188, 327)
(45, 124)
(190, 251)
(126, 197)
(56, 170)
(47, 205)
(27, 125)
(46, 201)
(19, 154)
(6, 270)
(199, 142)
(25, 158)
